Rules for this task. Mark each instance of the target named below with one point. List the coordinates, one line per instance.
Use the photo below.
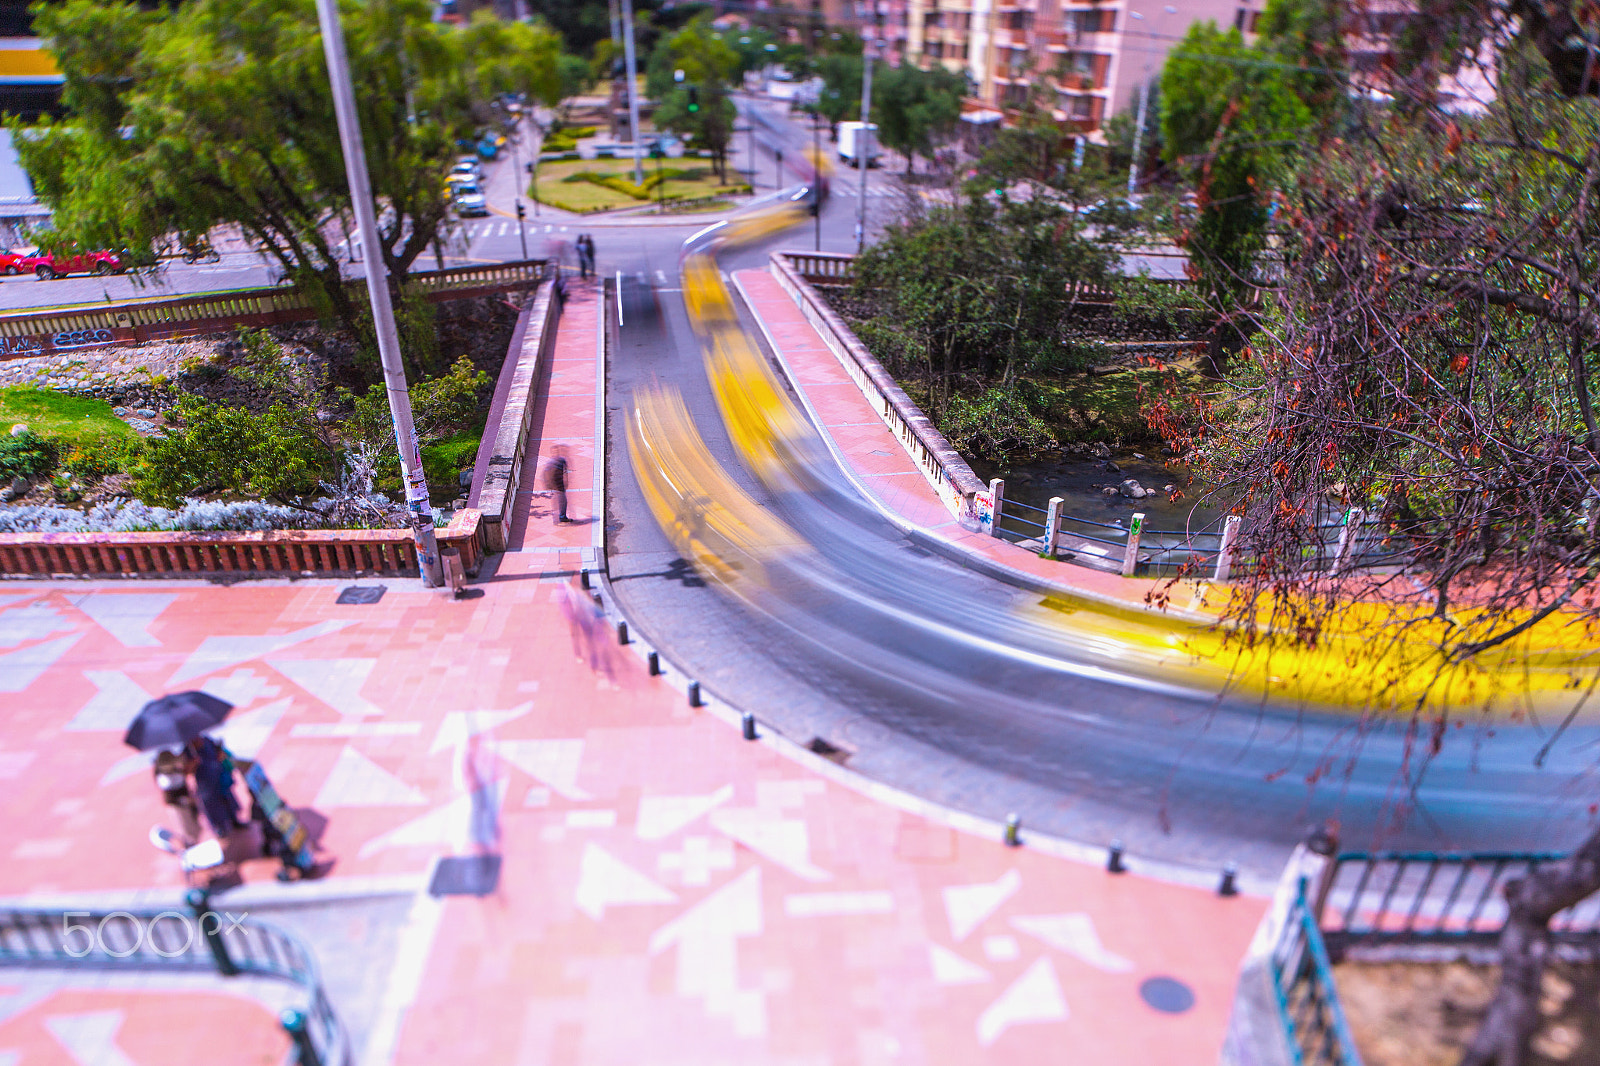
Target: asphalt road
(916, 670)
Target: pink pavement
(670, 892)
(875, 455)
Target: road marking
(504, 228)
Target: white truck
(851, 134)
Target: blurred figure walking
(556, 476)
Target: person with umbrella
(176, 723)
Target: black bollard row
(583, 578)
(622, 632)
(654, 659)
(1013, 830)
(749, 723)
(1229, 885)
(694, 693)
(1114, 863)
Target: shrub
(101, 458)
(231, 450)
(26, 455)
(132, 517)
(997, 425)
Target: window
(1076, 22)
(1016, 96)
(1016, 20)
(935, 49)
(1245, 20)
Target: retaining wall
(498, 473)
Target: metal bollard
(1013, 830)
(1229, 886)
(748, 721)
(622, 632)
(654, 659)
(694, 694)
(1114, 864)
(598, 602)
(200, 902)
(583, 578)
(1130, 554)
(294, 1023)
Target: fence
(1449, 899)
(29, 333)
(308, 552)
(1308, 1004)
(197, 941)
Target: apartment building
(1093, 57)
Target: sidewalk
(875, 456)
(670, 893)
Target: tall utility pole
(633, 89)
(865, 147)
(816, 171)
(394, 373)
(1144, 103)
(516, 176)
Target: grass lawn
(444, 461)
(77, 419)
(587, 196)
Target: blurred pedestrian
(172, 769)
(556, 478)
(585, 620)
(585, 254)
(213, 783)
(480, 779)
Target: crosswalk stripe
(504, 227)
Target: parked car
(470, 201)
(468, 164)
(48, 265)
(9, 261)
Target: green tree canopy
(914, 107)
(700, 107)
(218, 113)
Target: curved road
(871, 649)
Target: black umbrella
(174, 720)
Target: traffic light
(694, 99)
(522, 212)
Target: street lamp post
(633, 89)
(394, 374)
(816, 171)
(865, 147)
(1144, 106)
(516, 165)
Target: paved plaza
(669, 892)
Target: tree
(841, 75)
(215, 114)
(701, 108)
(914, 107)
(978, 293)
(1231, 118)
(1424, 364)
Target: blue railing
(194, 940)
(1436, 898)
(1308, 1003)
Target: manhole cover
(1166, 994)
(362, 594)
(465, 875)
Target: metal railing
(1382, 898)
(196, 940)
(1308, 1003)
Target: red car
(9, 261)
(47, 265)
